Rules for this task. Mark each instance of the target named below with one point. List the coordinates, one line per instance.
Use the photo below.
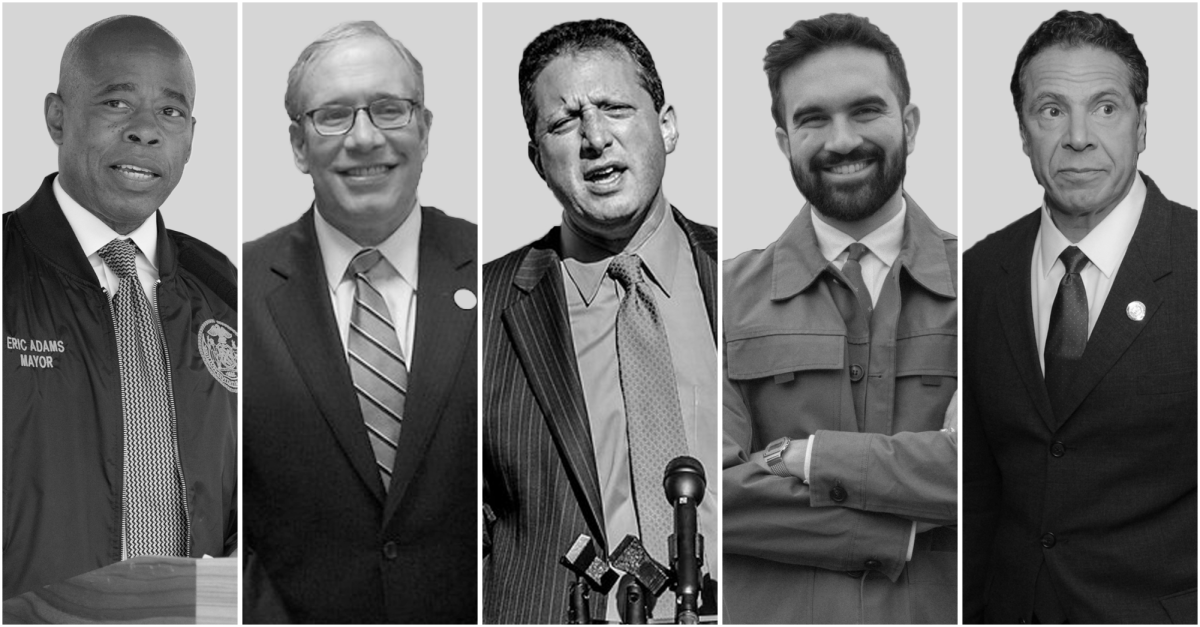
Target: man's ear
(536, 159)
(427, 116)
(912, 121)
(55, 111)
(1141, 131)
(666, 123)
(299, 145)
(784, 143)
(187, 155)
(1024, 137)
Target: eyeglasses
(387, 115)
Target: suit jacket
(1105, 493)
(834, 550)
(541, 490)
(325, 543)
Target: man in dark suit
(1079, 354)
(569, 446)
(360, 412)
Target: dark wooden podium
(153, 590)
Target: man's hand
(950, 424)
(793, 458)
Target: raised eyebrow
(114, 88)
(1110, 94)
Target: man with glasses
(359, 421)
(120, 368)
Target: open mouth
(849, 168)
(368, 170)
(604, 175)
(134, 173)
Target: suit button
(1048, 541)
(855, 574)
(838, 494)
(856, 373)
(873, 564)
(1057, 449)
(390, 550)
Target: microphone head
(583, 560)
(684, 477)
(629, 587)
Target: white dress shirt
(398, 285)
(1104, 246)
(94, 235)
(883, 243)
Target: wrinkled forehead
(335, 66)
(1082, 70)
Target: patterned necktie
(853, 271)
(1068, 334)
(153, 505)
(653, 419)
(377, 362)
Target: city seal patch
(218, 346)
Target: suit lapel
(303, 314)
(1016, 318)
(703, 242)
(1146, 260)
(540, 330)
(443, 333)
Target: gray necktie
(153, 503)
(1067, 336)
(377, 362)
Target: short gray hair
(342, 32)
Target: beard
(851, 202)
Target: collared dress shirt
(94, 235)
(1105, 247)
(593, 299)
(399, 285)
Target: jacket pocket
(1181, 607)
(770, 355)
(931, 354)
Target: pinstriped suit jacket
(540, 484)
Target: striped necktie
(377, 362)
(653, 418)
(154, 502)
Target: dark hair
(832, 30)
(583, 36)
(1073, 29)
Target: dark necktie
(377, 362)
(1068, 333)
(653, 419)
(153, 507)
(853, 271)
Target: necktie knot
(1073, 259)
(856, 251)
(365, 262)
(120, 255)
(626, 269)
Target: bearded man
(839, 453)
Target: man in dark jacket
(120, 380)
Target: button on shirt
(399, 286)
(1104, 246)
(593, 299)
(94, 234)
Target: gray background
(998, 184)
(518, 208)
(760, 197)
(443, 38)
(204, 204)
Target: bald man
(120, 380)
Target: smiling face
(847, 137)
(599, 144)
(1081, 128)
(366, 180)
(123, 122)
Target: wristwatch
(774, 457)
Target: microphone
(590, 566)
(579, 612)
(684, 483)
(631, 557)
(634, 604)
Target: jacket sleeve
(981, 508)
(772, 517)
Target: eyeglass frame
(416, 104)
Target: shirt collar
(659, 253)
(400, 248)
(93, 234)
(884, 242)
(1106, 243)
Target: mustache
(827, 159)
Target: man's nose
(596, 134)
(1079, 133)
(364, 135)
(143, 128)
(843, 136)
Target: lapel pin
(466, 300)
(1136, 311)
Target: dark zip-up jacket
(62, 397)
